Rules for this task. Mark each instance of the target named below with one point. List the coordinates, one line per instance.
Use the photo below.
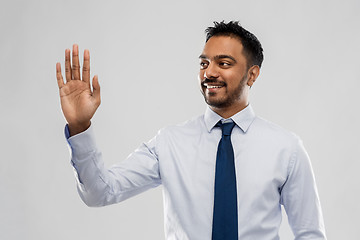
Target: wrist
(78, 128)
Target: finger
(59, 77)
(86, 67)
(75, 63)
(67, 65)
(96, 89)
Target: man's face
(223, 72)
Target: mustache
(213, 80)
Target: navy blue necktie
(225, 219)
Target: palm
(78, 101)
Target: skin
(223, 64)
(78, 101)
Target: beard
(228, 99)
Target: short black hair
(253, 50)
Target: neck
(227, 112)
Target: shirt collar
(242, 119)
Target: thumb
(96, 89)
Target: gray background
(146, 56)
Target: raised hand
(78, 101)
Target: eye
(203, 64)
(224, 64)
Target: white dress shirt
(272, 168)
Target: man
(224, 174)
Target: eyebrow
(217, 57)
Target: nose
(211, 71)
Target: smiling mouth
(212, 85)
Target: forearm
(99, 186)
(89, 167)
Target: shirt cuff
(82, 143)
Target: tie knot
(226, 127)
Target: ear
(253, 73)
